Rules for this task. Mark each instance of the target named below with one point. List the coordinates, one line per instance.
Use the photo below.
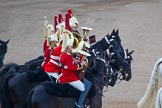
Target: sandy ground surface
(139, 21)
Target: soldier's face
(74, 28)
(70, 49)
(53, 43)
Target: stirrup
(78, 106)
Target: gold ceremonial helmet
(75, 36)
(66, 38)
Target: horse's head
(3, 50)
(128, 61)
(120, 66)
(100, 68)
(115, 35)
(103, 44)
(116, 43)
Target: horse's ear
(117, 32)
(131, 52)
(113, 32)
(7, 41)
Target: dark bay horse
(3, 51)
(40, 98)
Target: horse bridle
(106, 73)
(106, 62)
(108, 41)
(124, 61)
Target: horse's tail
(6, 101)
(29, 98)
(152, 88)
(158, 98)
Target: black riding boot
(87, 85)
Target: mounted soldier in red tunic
(70, 68)
(48, 52)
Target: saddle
(66, 90)
(53, 88)
(61, 90)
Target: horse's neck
(1, 64)
(97, 44)
(99, 81)
(94, 46)
(1, 61)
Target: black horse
(40, 98)
(100, 70)
(15, 86)
(12, 71)
(3, 51)
(19, 84)
(108, 41)
(117, 43)
(35, 64)
(24, 77)
(102, 44)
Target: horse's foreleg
(96, 101)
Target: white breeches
(78, 85)
(55, 75)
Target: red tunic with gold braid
(68, 74)
(53, 64)
(47, 54)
